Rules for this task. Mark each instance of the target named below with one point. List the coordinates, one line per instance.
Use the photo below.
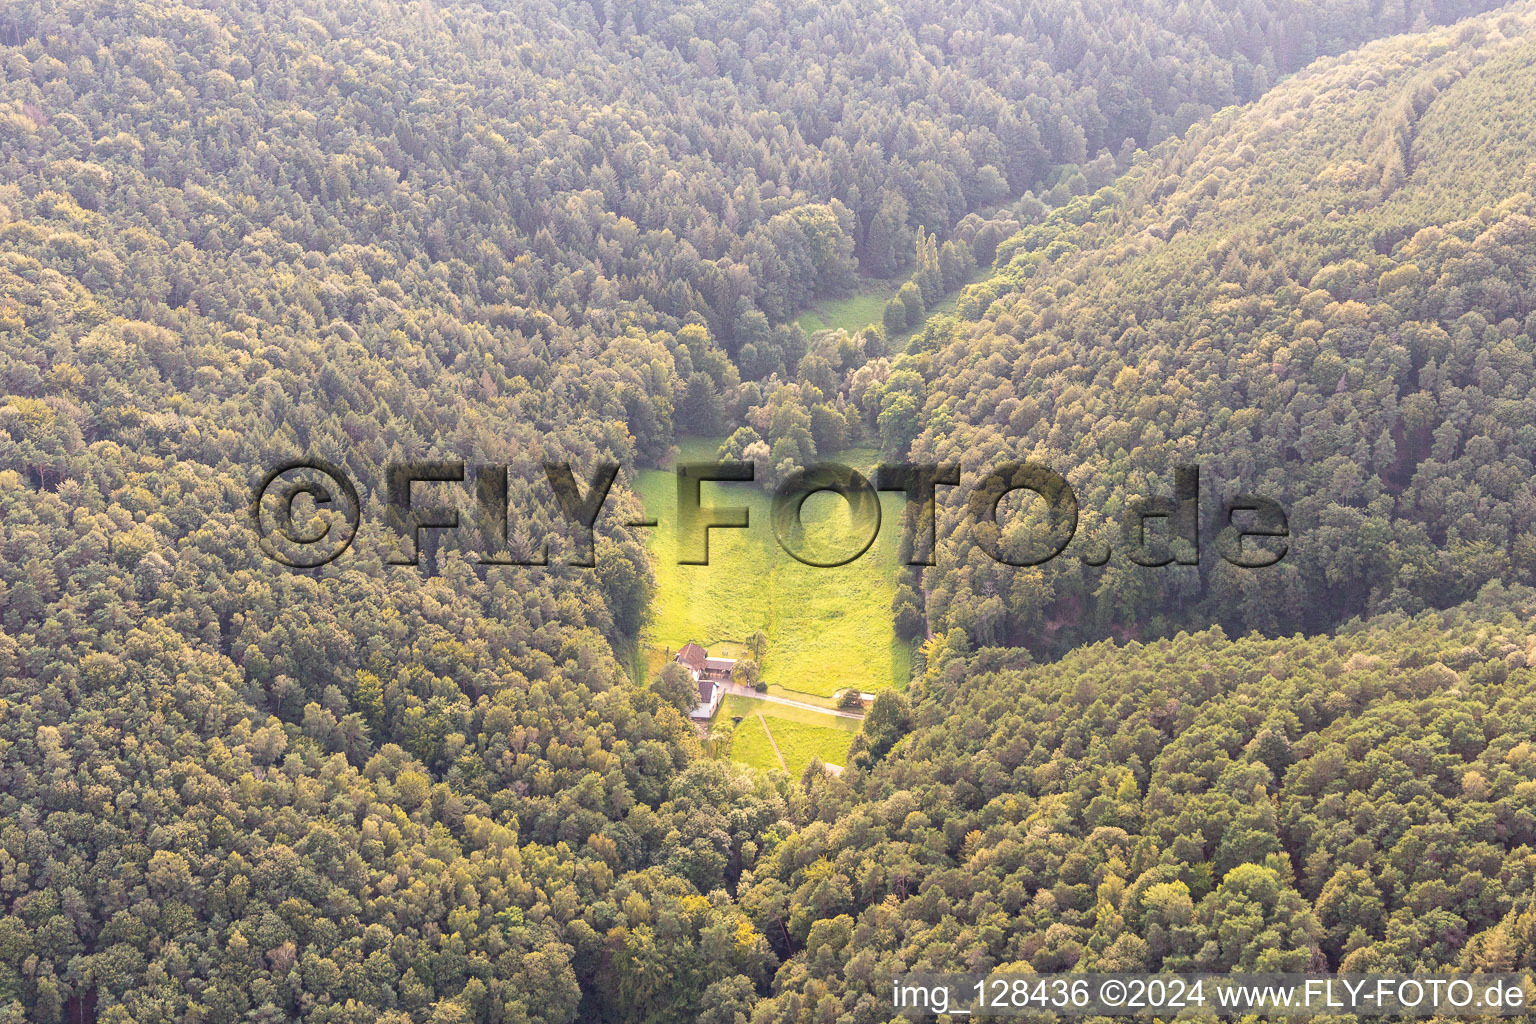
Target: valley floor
(827, 629)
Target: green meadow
(827, 628)
(801, 743)
(867, 306)
(801, 735)
(750, 745)
(852, 314)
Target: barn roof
(693, 656)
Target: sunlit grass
(801, 735)
(801, 743)
(750, 745)
(827, 628)
(854, 313)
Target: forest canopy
(238, 233)
(1323, 298)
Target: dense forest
(1357, 802)
(1325, 298)
(237, 233)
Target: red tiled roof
(693, 656)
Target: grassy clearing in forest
(801, 735)
(867, 306)
(854, 313)
(801, 743)
(750, 745)
(827, 628)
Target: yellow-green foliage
(1322, 298)
(1250, 803)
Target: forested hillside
(595, 160)
(1324, 298)
(1358, 802)
(237, 233)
